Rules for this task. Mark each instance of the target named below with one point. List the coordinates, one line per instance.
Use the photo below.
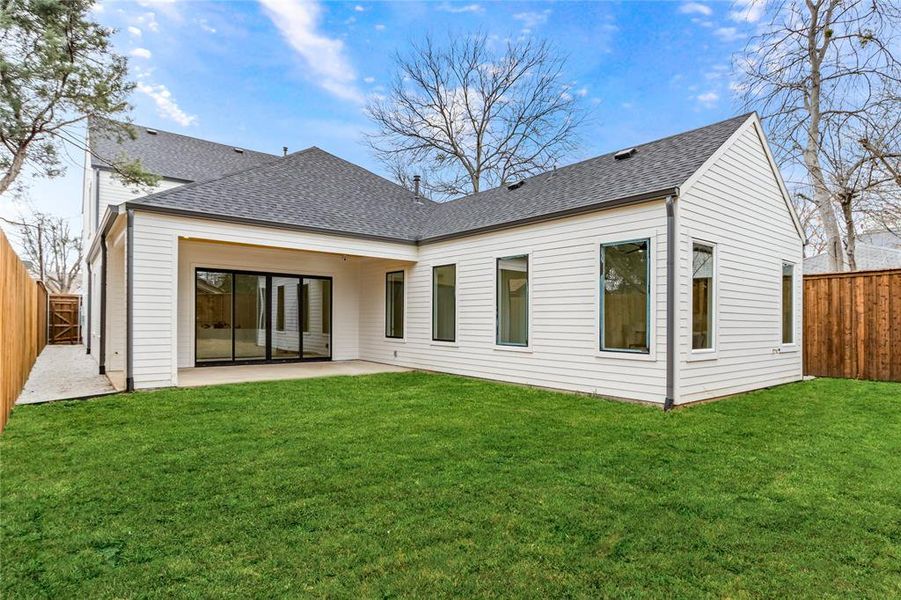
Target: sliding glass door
(261, 317)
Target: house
(873, 250)
(668, 272)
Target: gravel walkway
(63, 373)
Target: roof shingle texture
(171, 155)
(315, 189)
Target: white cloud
(167, 7)
(708, 99)
(205, 25)
(359, 8)
(532, 19)
(728, 34)
(582, 92)
(134, 31)
(460, 8)
(702, 22)
(369, 79)
(141, 53)
(324, 57)
(379, 27)
(165, 103)
(148, 20)
(748, 11)
(695, 8)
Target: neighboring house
(668, 273)
(873, 250)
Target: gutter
(87, 336)
(109, 219)
(129, 302)
(671, 244)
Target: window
(305, 308)
(702, 290)
(625, 296)
(280, 308)
(513, 301)
(788, 300)
(444, 303)
(394, 304)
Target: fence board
(852, 325)
(23, 326)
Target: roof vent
(517, 185)
(623, 154)
(152, 131)
(239, 150)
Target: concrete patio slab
(243, 373)
(63, 373)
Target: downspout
(87, 335)
(129, 302)
(670, 302)
(103, 269)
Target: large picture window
(788, 300)
(625, 296)
(702, 290)
(513, 301)
(394, 305)
(444, 303)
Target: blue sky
(276, 73)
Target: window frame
(435, 341)
(497, 320)
(279, 308)
(712, 352)
(651, 237)
(791, 346)
(403, 337)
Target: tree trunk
(851, 233)
(14, 169)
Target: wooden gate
(65, 313)
(852, 325)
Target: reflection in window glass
(788, 286)
(702, 297)
(394, 305)
(444, 300)
(213, 316)
(625, 296)
(513, 301)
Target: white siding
(737, 205)
(163, 324)
(564, 280)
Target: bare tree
(52, 250)
(824, 77)
(467, 118)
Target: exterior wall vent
(623, 154)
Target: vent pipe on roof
(284, 151)
(416, 180)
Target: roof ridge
(194, 184)
(182, 135)
(742, 117)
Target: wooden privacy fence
(65, 314)
(23, 326)
(852, 325)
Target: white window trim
(432, 341)
(394, 340)
(793, 346)
(702, 354)
(510, 347)
(652, 235)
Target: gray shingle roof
(170, 155)
(311, 189)
(314, 189)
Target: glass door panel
(250, 317)
(213, 316)
(316, 311)
(285, 342)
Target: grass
(418, 484)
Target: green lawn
(432, 485)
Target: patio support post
(670, 302)
(103, 270)
(129, 302)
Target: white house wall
(738, 206)
(564, 288)
(163, 281)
